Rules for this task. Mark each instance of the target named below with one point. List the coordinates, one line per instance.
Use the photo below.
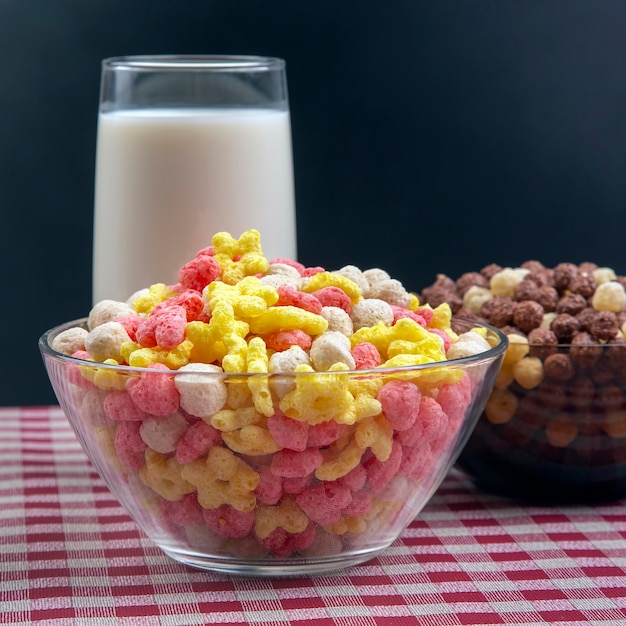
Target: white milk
(167, 180)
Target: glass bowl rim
(486, 356)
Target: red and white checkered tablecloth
(70, 555)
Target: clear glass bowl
(561, 435)
(329, 479)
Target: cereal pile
(262, 463)
(563, 374)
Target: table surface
(69, 554)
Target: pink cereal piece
(290, 296)
(417, 461)
(354, 479)
(292, 464)
(199, 438)
(73, 373)
(379, 473)
(282, 543)
(181, 513)
(199, 272)
(189, 299)
(333, 296)
(282, 340)
(400, 312)
(170, 327)
(366, 355)
(454, 398)
(307, 272)
(118, 406)
(400, 402)
(154, 393)
(208, 251)
(325, 433)
(227, 521)
(130, 324)
(360, 504)
(128, 444)
(323, 502)
(289, 262)
(447, 340)
(270, 487)
(296, 485)
(287, 432)
(431, 422)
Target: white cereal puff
(70, 340)
(105, 341)
(391, 291)
(338, 320)
(609, 296)
(375, 275)
(163, 433)
(356, 276)
(468, 344)
(286, 362)
(202, 391)
(108, 311)
(503, 283)
(369, 312)
(330, 348)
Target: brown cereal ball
(489, 270)
(499, 311)
(611, 398)
(588, 267)
(583, 284)
(559, 367)
(528, 315)
(563, 274)
(533, 266)
(603, 325)
(572, 304)
(580, 392)
(551, 394)
(564, 326)
(560, 432)
(548, 298)
(471, 279)
(543, 342)
(585, 350)
(615, 352)
(543, 278)
(526, 290)
(437, 295)
(603, 372)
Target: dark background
(429, 136)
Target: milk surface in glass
(167, 180)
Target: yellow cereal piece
(376, 434)
(288, 318)
(236, 349)
(104, 378)
(143, 357)
(163, 474)
(257, 362)
(156, 294)
(286, 515)
(209, 338)
(442, 317)
(333, 279)
(414, 303)
(228, 420)
(338, 463)
(252, 440)
(239, 394)
(369, 385)
(241, 257)
(249, 297)
(320, 396)
(222, 478)
(347, 525)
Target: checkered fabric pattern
(70, 555)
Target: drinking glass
(188, 146)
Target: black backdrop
(429, 136)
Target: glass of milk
(188, 146)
